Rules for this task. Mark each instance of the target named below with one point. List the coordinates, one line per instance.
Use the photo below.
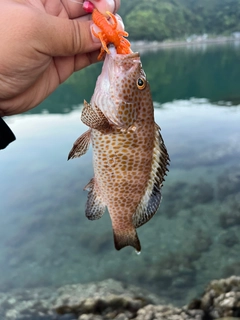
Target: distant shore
(190, 41)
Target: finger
(63, 37)
(117, 5)
(67, 65)
(74, 8)
(104, 5)
(46, 83)
(82, 61)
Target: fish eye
(141, 83)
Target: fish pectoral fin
(146, 211)
(95, 208)
(94, 119)
(81, 145)
(123, 238)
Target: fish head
(120, 88)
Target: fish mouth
(113, 54)
(133, 55)
(115, 66)
(120, 65)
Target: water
(45, 239)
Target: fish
(130, 158)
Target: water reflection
(45, 238)
(210, 72)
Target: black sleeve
(6, 134)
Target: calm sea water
(45, 239)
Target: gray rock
(111, 300)
(221, 299)
(169, 312)
(106, 300)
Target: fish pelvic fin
(94, 118)
(123, 238)
(95, 207)
(152, 196)
(81, 145)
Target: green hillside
(164, 19)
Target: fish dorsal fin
(81, 145)
(95, 208)
(152, 197)
(94, 118)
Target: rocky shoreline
(111, 299)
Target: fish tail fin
(123, 238)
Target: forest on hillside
(168, 19)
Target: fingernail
(120, 22)
(95, 29)
(103, 6)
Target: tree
(163, 19)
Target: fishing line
(87, 5)
(76, 1)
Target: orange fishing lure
(110, 34)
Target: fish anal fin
(81, 145)
(146, 211)
(152, 197)
(94, 118)
(95, 207)
(123, 238)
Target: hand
(42, 43)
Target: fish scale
(129, 156)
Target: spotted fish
(129, 156)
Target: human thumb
(66, 37)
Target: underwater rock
(179, 190)
(230, 217)
(186, 196)
(108, 299)
(221, 299)
(229, 239)
(159, 312)
(229, 183)
(202, 192)
(112, 300)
